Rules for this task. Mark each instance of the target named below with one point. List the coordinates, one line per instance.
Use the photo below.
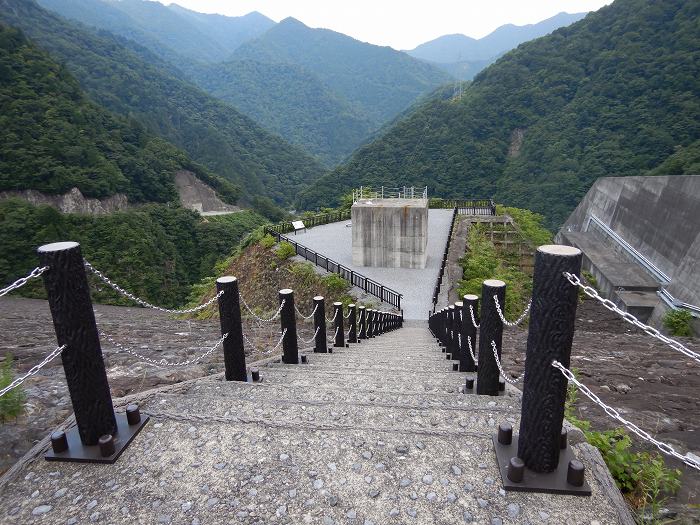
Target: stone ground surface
(373, 434)
(335, 241)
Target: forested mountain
(614, 94)
(170, 31)
(131, 81)
(52, 138)
(463, 56)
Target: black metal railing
(438, 283)
(311, 221)
(465, 206)
(368, 285)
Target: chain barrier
(518, 320)
(250, 343)
(500, 368)
(471, 350)
(306, 317)
(162, 363)
(334, 316)
(335, 335)
(36, 272)
(649, 330)
(346, 316)
(33, 370)
(277, 313)
(663, 447)
(312, 337)
(471, 313)
(146, 304)
(284, 332)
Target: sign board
(298, 225)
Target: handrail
(370, 286)
(438, 283)
(310, 222)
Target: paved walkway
(335, 241)
(369, 435)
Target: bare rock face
(71, 202)
(196, 195)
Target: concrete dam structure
(641, 241)
(390, 229)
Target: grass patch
(12, 403)
(677, 322)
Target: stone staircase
(372, 434)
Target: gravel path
(335, 241)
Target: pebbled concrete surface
(335, 241)
(322, 444)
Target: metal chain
(500, 368)
(471, 312)
(591, 292)
(140, 301)
(284, 332)
(277, 313)
(306, 317)
(334, 316)
(518, 320)
(33, 370)
(663, 447)
(471, 350)
(162, 362)
(336, 334)
(250, 343)
(312, 337)
(36, 272)
(346, 316)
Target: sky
(401, 24)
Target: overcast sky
(401, 24)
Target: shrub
(304, 273)
(268, 241)
(285, 251)
(677, 322)
(336, 285)
(12, 403)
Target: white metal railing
(385, 192)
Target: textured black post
(74, 321)
(466, 363)
(320, 325)
(230, 318)
(339, 340)
(370, 323)
(550, 336)
(288, 321)
(453, 340)
(490, 329)
(352, 321)
(363, 322)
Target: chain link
(346, 316)
(33, 370)
(518, 320)
(649, 330)
(36, 272)
(334, 317)
(500, 368)
(277, 313)
(284, 332)
(663, 447)
(313, 337)
(471, 313)
(306, 317)
(162, 363)
(140, 301)
(471, 350)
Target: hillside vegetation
(613, 94)
(131, 81)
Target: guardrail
(370, 286)
(465, 206)
(311, 221)
(438, 283)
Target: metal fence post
(288, 321)
(320, 346)
(363, 322)
(230, 319)
(491, 329)
(339, 341)
(352, 321)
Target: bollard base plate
(79, 453)
(547, 482)
(473, 390)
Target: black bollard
(74, 322)
(339, 340)
(491, 329)
(230, 319)
(370, 323)
(288, 321)
(363, 322)
(320, 346)
(352, 321)
(453, 340)
(549, 337)
(467, 364)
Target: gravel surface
(335, 241)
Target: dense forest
(131, 81)
(612, 95)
